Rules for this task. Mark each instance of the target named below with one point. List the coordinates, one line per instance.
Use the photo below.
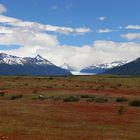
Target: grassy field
(70, 108)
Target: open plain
(69, 108)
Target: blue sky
(98, 20)
(78, 13)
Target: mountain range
(38, 66)
(131, 68)
(100, 68)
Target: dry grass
(29, 119)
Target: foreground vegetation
(76, 107)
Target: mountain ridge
(131, 68)
(37, 66)
(102, 67)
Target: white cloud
(82, 30)
(104, 30)
(5, 19)
(2, 9)
(4, 30)
(136, 27)
(102, 18)
(131, 36)
(41, 27)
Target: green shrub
(16, 97)
(101, 100)
(135, 102)
(121, 99)
(41, 97)
(71, 99)
(2, 93)
(50, 78)
(119, 85)
(87, 96)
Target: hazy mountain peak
(67, 67)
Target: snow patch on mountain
(14, 60)
(109, 65)
(97, 68)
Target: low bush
(135, 102)
(41, 97)
(87, 96)
(119, 85)
(71, 99)
(2, 93)
(50, 78)
(101, 100)
(121, 99)
(16, 97)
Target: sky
(77, 32)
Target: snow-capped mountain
(9, 59)
(67, 67)
(99, 68)
(38, 60)
(14, 60)
(131, 68)
(13, 65)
